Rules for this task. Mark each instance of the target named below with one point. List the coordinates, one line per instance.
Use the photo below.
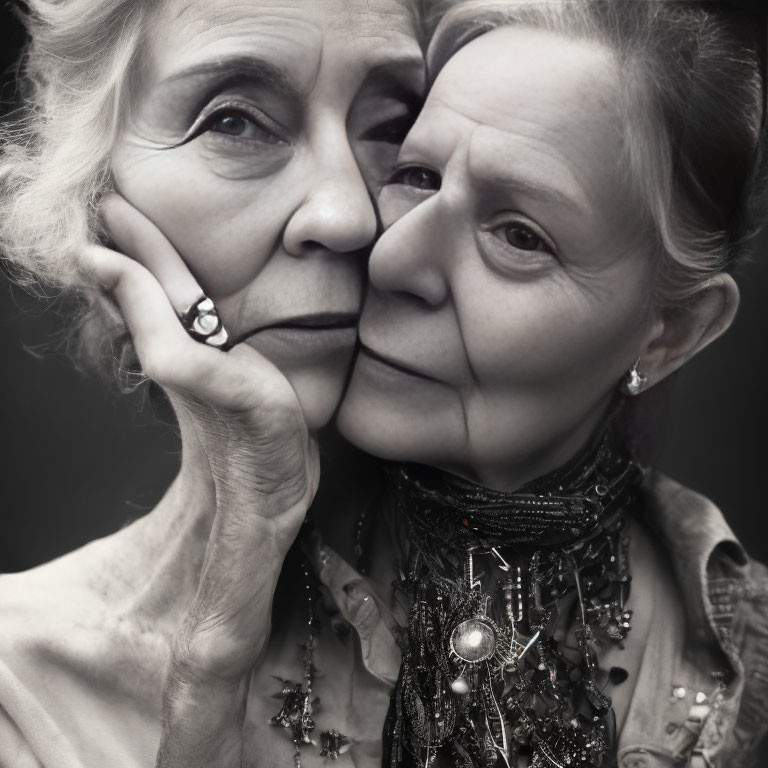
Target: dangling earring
(635, 380)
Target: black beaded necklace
(488, 677)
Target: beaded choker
(493, 673)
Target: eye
(232, 122)
(523, 238)
(516, 243)
(417, 176)
(239, 123)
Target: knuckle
(212, 655)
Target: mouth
(313, 322)
(391, 362)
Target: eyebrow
(487, 170)
(236, 70)
(504, 184)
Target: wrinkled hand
(265, 469)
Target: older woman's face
(511, 290)
(260, 131)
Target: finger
(167, 353)
(138, 237)
(240, 381)
(141, 299)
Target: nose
(337, 213)
(412, 255)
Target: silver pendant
(474, 640)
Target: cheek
(545, 362)
(550, 333)
(225, 229)
(395, 201)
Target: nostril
(315, 246)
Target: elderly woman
(558, 230)
(249, 137)
(559, 236)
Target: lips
(316, 321)
(320, 321)
(391, 362)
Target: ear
(680, 333)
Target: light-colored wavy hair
(692, 106)
(56, 147)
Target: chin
(318, 393)
(397, 432)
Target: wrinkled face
(511, 289)
(260, 131)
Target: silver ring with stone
(202, 322)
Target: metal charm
(333, 744)
(474, 640)
(295, 713)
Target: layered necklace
(490, 677)
(296, 713)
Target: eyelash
(400, 174)
(258, 119)
(544, 246)
(509, 256)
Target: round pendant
(460, 686)
(474, 640)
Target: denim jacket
(714, 651)
(701, 695)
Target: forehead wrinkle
(537, 114)
(293, 68)
(292, 35)
(249, 27)
(485, 143)
(363, 19)
(489, 164)
(373, 25)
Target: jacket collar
(701, 545)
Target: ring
(202, 322)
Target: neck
(557, 509)
(510, 474)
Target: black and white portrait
(384, 384)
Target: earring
(635, 380)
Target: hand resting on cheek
(264, 466)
